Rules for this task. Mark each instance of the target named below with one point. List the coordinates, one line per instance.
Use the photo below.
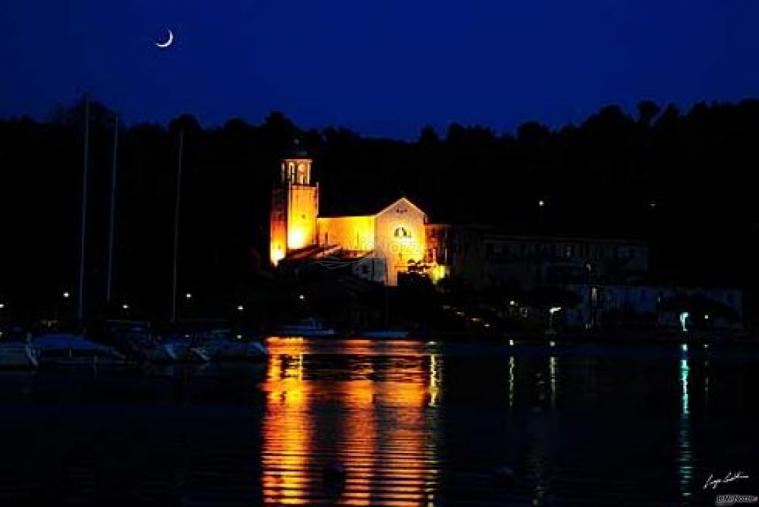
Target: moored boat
(17, 354)
(310, 327)
(226, 348)
(70, 350)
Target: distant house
(706, 308)
(485, 256)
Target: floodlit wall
(400, 237)
(350, 233)
(278, 226)
(301, 217)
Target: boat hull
(17, 356)
(229, 350)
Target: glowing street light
(240, 308)
(2, 306)
(125, 306)
(188, 295)
(66, 294)
(302, 297)
(541, 203)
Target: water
(411, 423)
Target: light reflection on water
(685, 457)
(381, 425)
(412, 423)
(382, 410)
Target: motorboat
(17, 354)
(223, 347)
(310, 327)
(175, 350)
(64, 349)
(221, 344)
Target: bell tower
(294, 208)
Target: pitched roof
(404, 200)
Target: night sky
(380, 67)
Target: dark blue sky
(382, 67)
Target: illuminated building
(294, 208)
(377, 246)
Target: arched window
(301, 174)
(401, 232)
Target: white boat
(62, 349)
(176, 351)
(307, 327)
(159, 353)
(384, 333)
(228, 349)
(17, 354)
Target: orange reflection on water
(285, 456)
(361, 406)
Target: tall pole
(176, 229)
(83, 230)
(111, 232)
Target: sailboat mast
(83, 230)
(111, 232)
(176, 228)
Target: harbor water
(396, 423)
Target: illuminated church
(378, 247)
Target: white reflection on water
(685, 453)
(512, 381)
(706, 384)
(552, 364)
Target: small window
(402, 232)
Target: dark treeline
(684, 180)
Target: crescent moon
(169, 42)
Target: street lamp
(240, 308)
(125, 306)
(66, 294)
(188, 295)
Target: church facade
(379, 246)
